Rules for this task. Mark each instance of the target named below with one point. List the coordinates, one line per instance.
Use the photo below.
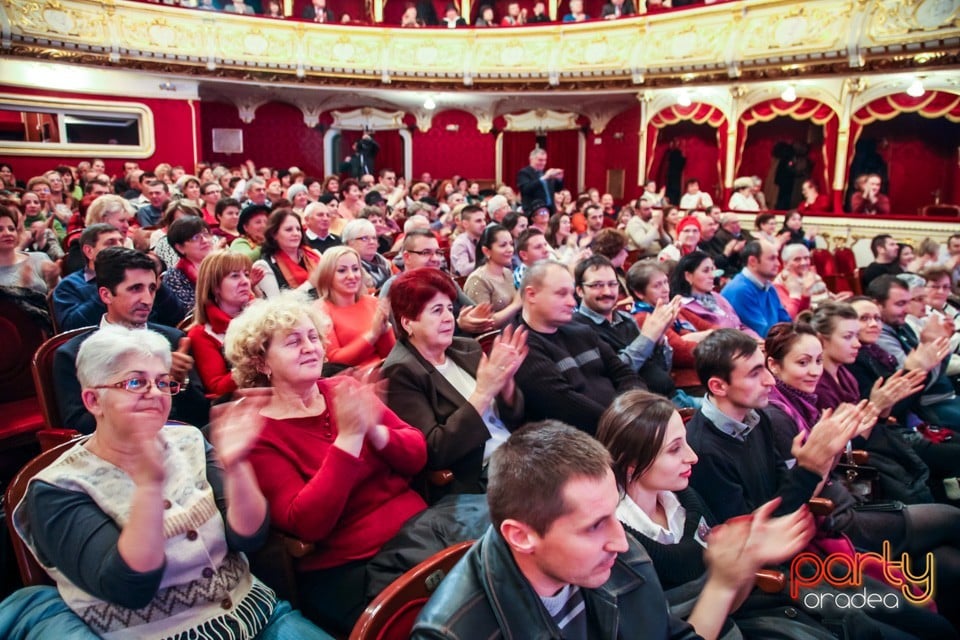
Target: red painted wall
(465, 152)
(172, 121)
(615, 153)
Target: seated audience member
(158, 195)
(593, 217)
(224, 289)
(798, 285)
(612, 245)
(765, 225)
(410, 19)
(514, 17)
(617, 9)
(938, 403)
(492, 281)
(191, 239)
(569, 372)
(252, 225)
(742, 197)
(692, 279)
(40, 238)
(451, 18)
(938, 288)
(317, 11)
(561, 239)
(299, 198)
(539, 14)
(112, 210)
(159, 244)
(486, 18)
(644, 350)
(650, 287)
(576, 12)
(556, 556)
(539, 217)
(360, 333)
(463, 249)
(361, 236)
(285, 258)
(75, 298)
(19, 268)
(886, 260)
(867, 198)
(317, 217)
(668, 227)
(465, 404)
(532, 247)
(693, 198)
(751, 292)
(740, 469)
(644, 230)
(793, 225)
(813, 202)
(210, 193)
(727, 244)
(127, 286)
(227, 215)
(909, 457)
(652, 463)
(238, 7)
(97, 520)
(688, 240)
(333, 462)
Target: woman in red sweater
(224, 289)
(333, 462)
(360, 334)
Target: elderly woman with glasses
(191, 240)
(361, 236)
(143, 527)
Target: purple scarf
(800, 406)
(832, 393)
(876, 352)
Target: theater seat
(43, 376)
(391, 614)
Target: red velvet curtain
(700, 131)
(563, 152)
(517, 146)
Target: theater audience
(32, 270)
(798, 285)
(333, 462)
(793, 225)
(224, 289)
(251, 225)
(286, 259)
(886, 260)
(98, 521)
(465, 403)
(227, 215)
(191, 239)
(76, 302)
(361, 236)
(688, 236)
(360, 333)
(492, 281)
(751, 292)
(693, 280)
(813, 202)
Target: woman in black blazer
(465, 402)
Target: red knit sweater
(682, 349)
(207, 351)
(347, 344)
(320, 493)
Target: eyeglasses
(366, 238)
(203, 235)
(212, 191)
(430, 253)
(141, 385)
(613, 284)
(938, 287)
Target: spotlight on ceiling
(429, 104)
(915, 90)
(789, 94)
(684, 99)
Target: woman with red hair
(465, 402)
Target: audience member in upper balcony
(286, 259)
(333, 462)
(465, 403)
(867, 198)
(516, 17)
(451, 17)
(537, 182)
(149, 214)
(539, 13)
(252, 224)
(813, 201)
(410, 19)
(617, 9)
(227, 214)
(485, 17)
(360, 334)
(191, 239)
(274, 10)
(569, 372)
(886, 255)
(693, 198)
(224, 289)
(239, 6)
(576, 12)
(688, 239)
(644, 350)
(751, 292)
(492, 281)
(742, 197)
(129, 295)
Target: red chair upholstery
(392, 613)
(43, 376)
(823, 261)
(846, 261)
(486, 340)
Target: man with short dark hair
(128, 285)
(643, 228)
(593, 214)
(463, 249)
(556, 562)
(75, 299)
(751, 292)
(532, 246)
(886, 259)
(157, 195)
(569, 372)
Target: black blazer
(532, 189)
(190, 405)
(456, 434)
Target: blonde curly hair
(249, 334)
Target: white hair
(537, 151)
(416, 221)
(356, 228)
(103, 355)
(496, 203)
(791, 250)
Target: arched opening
(784, 153)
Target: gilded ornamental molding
(738, 39)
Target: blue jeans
(286, 623)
